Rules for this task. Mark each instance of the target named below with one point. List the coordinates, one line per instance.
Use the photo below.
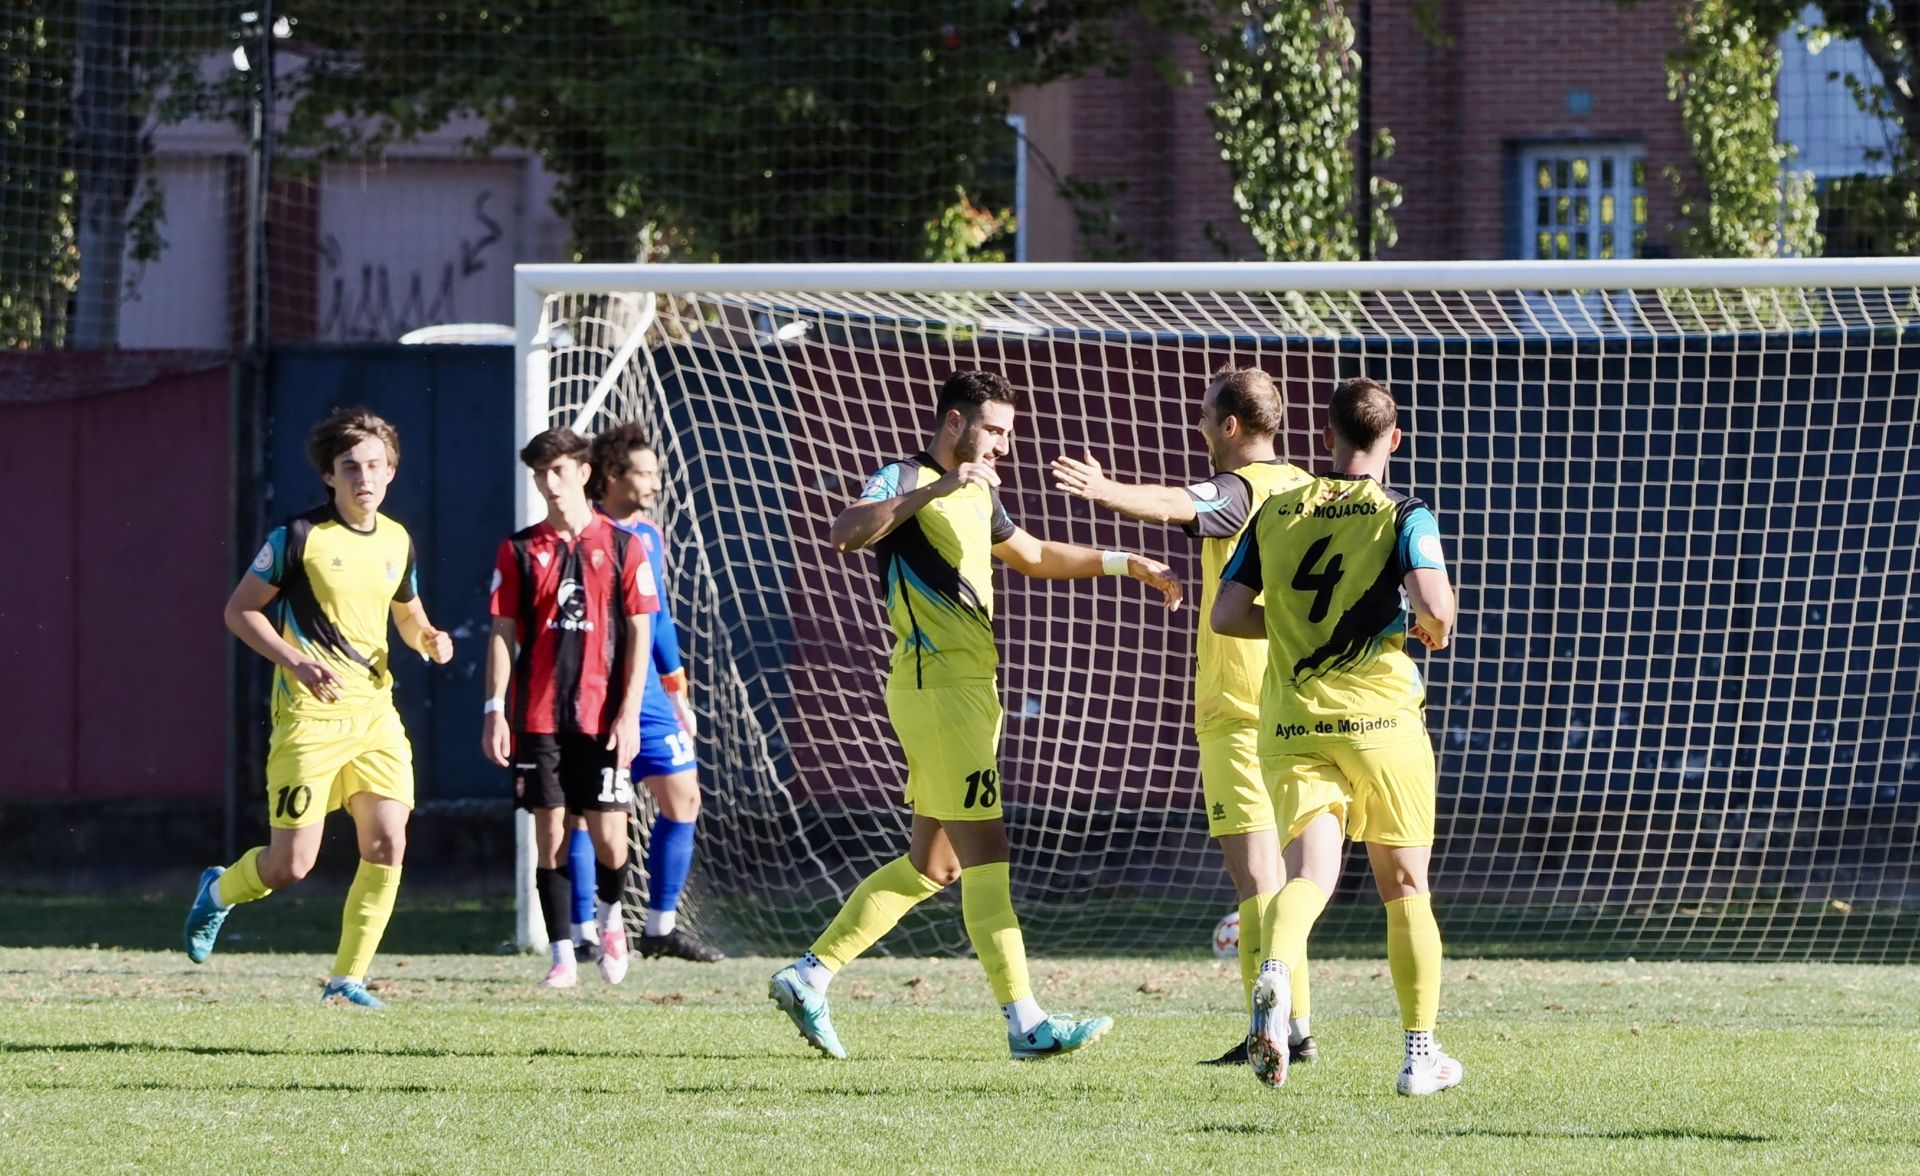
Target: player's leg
(1240, 817)
(537, 789)
(1394, 815)
(665, 768)
(1300, 1044)
(600, 790)
(585, 931)
(304, 759)
(380, 828)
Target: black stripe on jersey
(616, 638)
(1364, 621)
(296, 591)
(523, 661)
(909, 544)
(405, 592)
(568, 662)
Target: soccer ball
(1226, 936)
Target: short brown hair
(344, 428)
(1362, 411)
(968, 389)
(612, 451)
(1251, 395)
(552, 445)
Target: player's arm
(246, 617)
(1082, 477)
(1428, 588)
(882, 507)
(410, 618)
(496, 738)
(624, 739)
(1044, 559)
(673, 671)
(1236, 608)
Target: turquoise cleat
(1057, 1035)
(807, 1006)
(350, 992)
(204, 917)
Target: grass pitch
(113, 1060)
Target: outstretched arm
(1046, 560)
(1083, 478)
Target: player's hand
(1427, 639)
(436, 645)
(1081, 477)
(967, 473)
(319, 680)
(496, 741)
(624, 741)
(683, 709)
(1158, 575)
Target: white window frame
(1623, 156)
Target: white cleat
(565, 975)
(1267, 1033)
(1430, 1075)
(613, 954)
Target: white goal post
(1682, 505)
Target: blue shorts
(665, 750)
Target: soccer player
(1342, 561)
(574, 596)
(626, 483)
(333, 577)
(935, 520)
(1241, 412)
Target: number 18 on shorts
(951, 735)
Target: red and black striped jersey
(570, 603)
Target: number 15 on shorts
(616, 786)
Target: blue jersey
(656, 710)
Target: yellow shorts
(951, 735)
(1381, 794)
(314, 765)
(1231, 782)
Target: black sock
(556, 902)
(609, 882)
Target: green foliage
(1285, 111)
(1724, 76)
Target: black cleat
(677, 944)
(1237, 1056)
(1298, 1052)
(586, 951)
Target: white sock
(562, 950)
(659, 922)
(813, 973)
(336, 981)
(610, 913)
(1022, 1015)
(1298, 1030)
(1420, 1045)
(587, 932)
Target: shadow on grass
(1674, 1133)
(308, 922)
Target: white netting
(1679, 715)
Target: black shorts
(575, 772)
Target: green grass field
(115, 1059)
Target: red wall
(113, 537)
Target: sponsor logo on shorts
(1336, 727)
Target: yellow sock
(1250, 944)
(871, 911)
(986, 902)
(241, 883)
(1413, 955)
(364, 920)
(1288, 923)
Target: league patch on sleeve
(495, 586)
(1430, 549)
(1205, 491)
(264, 561)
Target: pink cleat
(562, 975)
(613, 952)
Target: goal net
(1682, 505)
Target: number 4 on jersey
(1320, 583)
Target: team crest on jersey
(543, 557)
(598, 558)
(392, 574)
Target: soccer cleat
(1267, 1035)
(204, 917)
(677, 944)
(1303, 1051)
(613, 954)
(807, 1006)
(350, 992)
(1057, 1035)
(586, 951)
(1430, 1075)
(1236, 1056)
(563, 975)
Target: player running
(1343, 738)
(1241, 413)
(935, 520)
(333, 577)
(574, 595)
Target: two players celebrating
(1308, 710)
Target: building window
(1582, 200)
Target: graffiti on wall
(381, 297)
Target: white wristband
(493, 706)
(1114, 563)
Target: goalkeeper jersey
(1330, 556)
(1226, 684)
(936, 573)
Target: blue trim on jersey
(884, 484)
(1419, 524)
(1239, 553)
(276, 566)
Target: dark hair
(344, 428)
(612, 453)
(552, 445)
(1362, 411)
(968, 390)
(1251, 395)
